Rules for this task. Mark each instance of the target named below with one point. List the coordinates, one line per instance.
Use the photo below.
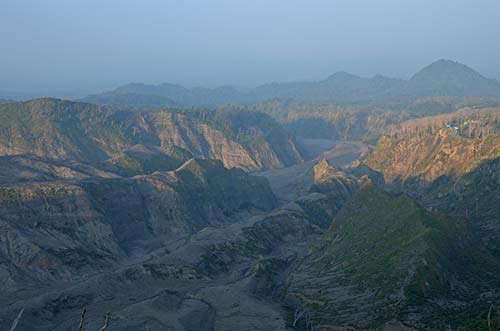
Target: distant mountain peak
(445, 67)
(46, 103)
(451, 78)
(342, 75)
(446, 62)
(441, 78)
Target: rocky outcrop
(323, 190)
(51, 231)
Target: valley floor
(339, 153)
(221, 278)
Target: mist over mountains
(441, 78)
(240, 165)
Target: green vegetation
(62, 130)
(451, 170)
(128, 165)
(385, 256)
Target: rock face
(387, 258)
(323, 191)
(426, 149)
(360, 121)
(135, 142)
(50, 231)
(324, 177)
(449, 163)
(29, 168)
(61, 229)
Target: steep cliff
(449, 145)
(449, 163)
(65, 229)
(57, 129)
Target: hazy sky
(89, 45)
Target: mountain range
(441, 78)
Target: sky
(77, 47)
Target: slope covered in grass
(387, 258)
